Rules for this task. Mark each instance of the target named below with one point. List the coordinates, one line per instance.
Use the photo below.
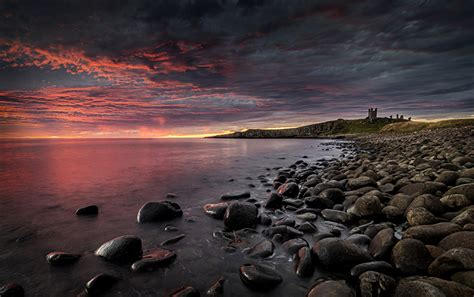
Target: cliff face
(331, 128)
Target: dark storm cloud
(211, 64)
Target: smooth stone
(420, 216)
(447, 177)
(447, 288)
(307, 216)
(360, 240)
(158, 211)
(240, 215)
(417, 189)
(100, 284)
(336, 216)
(216, 210)
(360, 182)
(259, 277)
(285, 221)
(186, 292)
(431, 234)
(464, 277)
(318, 202)
(333, 194)
(262, 249)
(62, 258)
(336, 253)
(378, 266)
(303, 262)
(173, 239)
(122, 249)
(410, 257)
(153, 260)
(308, 227)
(292, 246)
(401, 201)
(235, 196)
(274, 201)
(293, 202)
(170, 195)
(435, 251)
(217, 288)
(393, 213)
(416, 288)
(366, 206)
(465, 189)
(429, 202)
(382, 243)
(375, 284)
(286, 232)
(12, 290)
(90, 210)
(452, 261)
(288, 189)
(465, 217)
(459, 239)
(455, 201)
(171, 228)
(330, 288)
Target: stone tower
(372, 115)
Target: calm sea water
(43, 182)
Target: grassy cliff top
(413, 126)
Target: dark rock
(217, 288)
(293, 202)
(393, 213)
(431, 233)
(216, 210)
(240, 215)
(465, 189)
(286, 232)
(333, 194)
(274, 201)
(447, 288)
(464, 277)
(429, 202)
(265, 220)
(336, 216)
(12, 290)
(366, 206)
(360, 240)
(304, 264)
(452, 261)
(308, 227)
(100, 284)
(417, 189)
(159, 211)
(382, 243)
(319, 202)
(122, 249)
(416, 288)
(455, 201)
(259, 277)
(186, 292)
(330, 288)
(173, 239)
(463, 239)
(154, 259)
(375, 284)
(285, 221)
(360, 182)
(401, 201)
(465, 217)
(307, 216)
(262, 249)
(420, 216)
(378, 266)
(411, 257)
(62, 258)
(292, 246)
(235, 196)
(90, 210)
(336, 253)
(448, 178)
(289, 189)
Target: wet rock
(452, 261)
(12, 290)
(420, 216)
(186, 292)
(122, 249)
(318, 202)
(90, 210)
(375, 284)
(240, 215)
(378, 266)
(153, 260)
(459, 239)
(217, 288)
(465, 189)
(293, 202)
(333, 194)
(307, 216)
(304, 264)
(336, 253)
(455, 201)
(289, 189)
(62, 258)
(464, 277)
(285, 232)
(431, 233)
(265, 220)
(382, 243)
(173, 239)
(448, 288)
(100, 284)
(262, 249)
(274, 201)
(171, 228)
(411, 257)
(308, 227)
(285, 221)
(360, 182)
(366, 206)
(259, 277)
(170, 195)
(158, 211)
(330, 288)
(336, 216)
(292, 246)
(235, 196)
(360, 240)
(216, 210)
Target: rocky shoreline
(394, 216)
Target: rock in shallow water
(290, 189)
(240, 215)
(262, 249)
(62, 258)
(303, 262)
(100, 284)
(173, 239)
(217, 288)
(330, 288)
(186, 292)
(12, 290)
(122, 249)
(154, 259)
(216, 210)
(336, 253)
(259, 277)
(90, 210)
(235, 196)
(159, 211)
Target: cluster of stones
(401, 210)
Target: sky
(143, 68)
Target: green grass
(413, 126)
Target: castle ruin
(372, 117)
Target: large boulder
(374, 284)
(452, 261)
(431, 233)
(336, 253)
(448, 177)
(274, 201)
(125, 248)
(240, 215)
(411, 257)
(158, 211)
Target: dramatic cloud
(155, 68)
